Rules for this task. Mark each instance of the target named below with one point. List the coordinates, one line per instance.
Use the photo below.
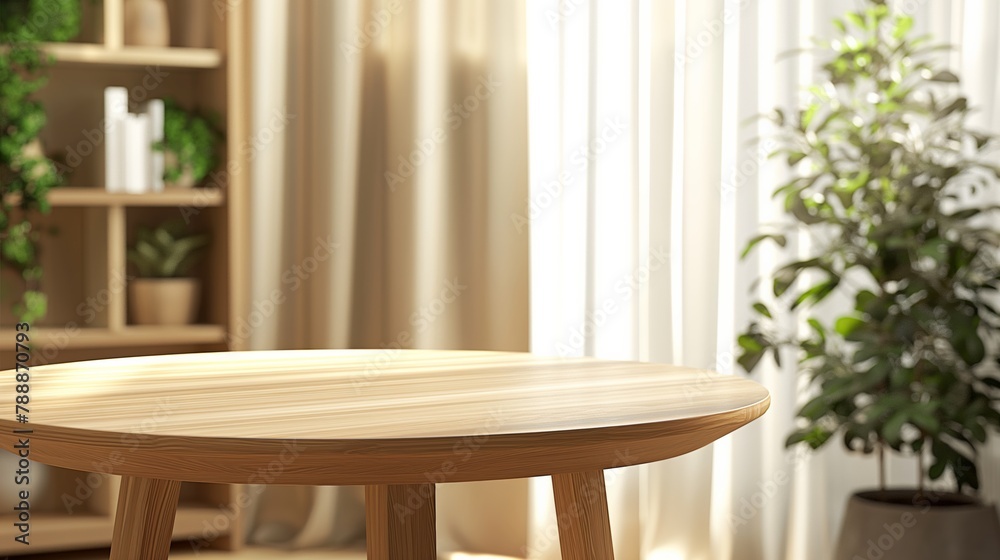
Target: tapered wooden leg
(400, 522)
(582, 514)
(144, 521)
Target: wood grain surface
(145, 519)
(372, 416)
(582, 515)
(400, 522)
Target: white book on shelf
(115, 111)
(154, 108)
(137, 153)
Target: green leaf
(853, 433)
(944, 76)
(847, 325)
(762, 309)
(864, 299)
(925, 421)
(817, 327)
(936, 470)
(748, 360)
(798, 436)
(816, 293)
(801, 212)
(752, 343)
(815, 408)
(900, 377)
(903, 26)
(777, 238)
(816, 437)
(936, 249)
(960, 104)
(884, 405)
(969, 347)
(141, 262)
(783, 279)
(856, 19)
(178, 253)
(32, 307)
(147, 251)
(893, 428)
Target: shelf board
(171, 57)
(191, 520)
(52, 532)
(131, 335)
(97, 196)
(59, 531)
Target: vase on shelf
(146, 23)
(195, 29)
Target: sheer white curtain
(645, 182)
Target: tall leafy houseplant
(884, 164)
(26, 175)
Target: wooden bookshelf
(85, 236)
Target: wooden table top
(372, 416)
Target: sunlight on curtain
(665, 554)
(588, 269)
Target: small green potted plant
(884, 171)
(162, 294)
(190, 144)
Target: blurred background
(566, 177)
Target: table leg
(400, 522)
(582, 515)
(144, 521)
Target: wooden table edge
(379, 461)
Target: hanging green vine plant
(26, 174)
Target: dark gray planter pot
(900, 525)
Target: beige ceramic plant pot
(899, 525)
(164, 301)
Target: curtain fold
(382, 212)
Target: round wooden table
(396, 421)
